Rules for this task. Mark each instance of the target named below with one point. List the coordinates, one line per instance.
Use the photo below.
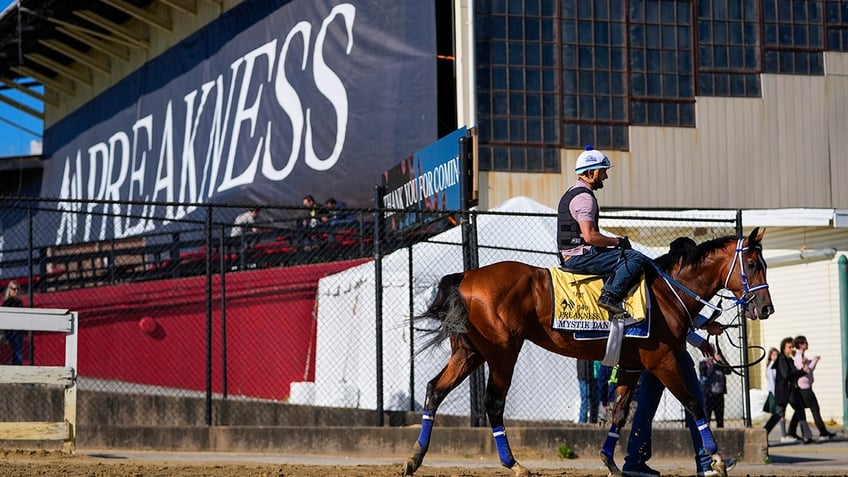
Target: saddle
(574, 305)
(574, 302)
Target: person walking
(15, 338)
(714, 386)
(805, 388)
(588, 391)
(639, 446)
(785, 375)
(768, 405)
(583, 248)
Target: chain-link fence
(287, 312)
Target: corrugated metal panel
(796, 238)
(835, 63)
(806, 303)
(795, 112)
(837, 104)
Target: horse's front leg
(625, 381)
(680, 378)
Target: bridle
(745, 298)
(748, 292)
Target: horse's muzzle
(767, 311)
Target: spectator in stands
(334, 213)
(312, 216)
(243, 220)
(714, 387)
(13, 337)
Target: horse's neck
(704, 280)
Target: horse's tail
(449, 308)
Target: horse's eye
(751, 265)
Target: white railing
(52, 320)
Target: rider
(582, 247)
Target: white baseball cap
(590, 159)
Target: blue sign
(428, 180)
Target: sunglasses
(14, 288)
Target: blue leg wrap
(610, 443)
(707, 436)
(426, 429)
(504, 453)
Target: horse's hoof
(719, 465)
(520, 470)
(608, 461)
(410, 467)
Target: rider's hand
(707, 349)
(624, 243)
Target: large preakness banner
(273, 101)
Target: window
(728, 48)
(517, 54)
(566, 73)
(594, 71)
(662, 73)
(836, 19)
(793, 37)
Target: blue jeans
(625, 266)
(588, 402)
(16, 342)
(647, 400)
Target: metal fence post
(30, 290)
(378, 297)
(470, 261)
(208, 235)
(743, 331)
(410, 278)
(222, 255)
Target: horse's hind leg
(625, 380)
(464, 359)
(500, 377)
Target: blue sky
(18, 130)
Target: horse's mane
(684, 252)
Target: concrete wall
(125, 421)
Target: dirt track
(31, 463)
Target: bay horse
(489, 312)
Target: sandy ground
(823, 459)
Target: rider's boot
(612, 304)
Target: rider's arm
(593, 237)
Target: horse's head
(746, 277)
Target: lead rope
(735, 368)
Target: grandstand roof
(59, 43)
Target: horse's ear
(756, 236)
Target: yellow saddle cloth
(575, 302)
